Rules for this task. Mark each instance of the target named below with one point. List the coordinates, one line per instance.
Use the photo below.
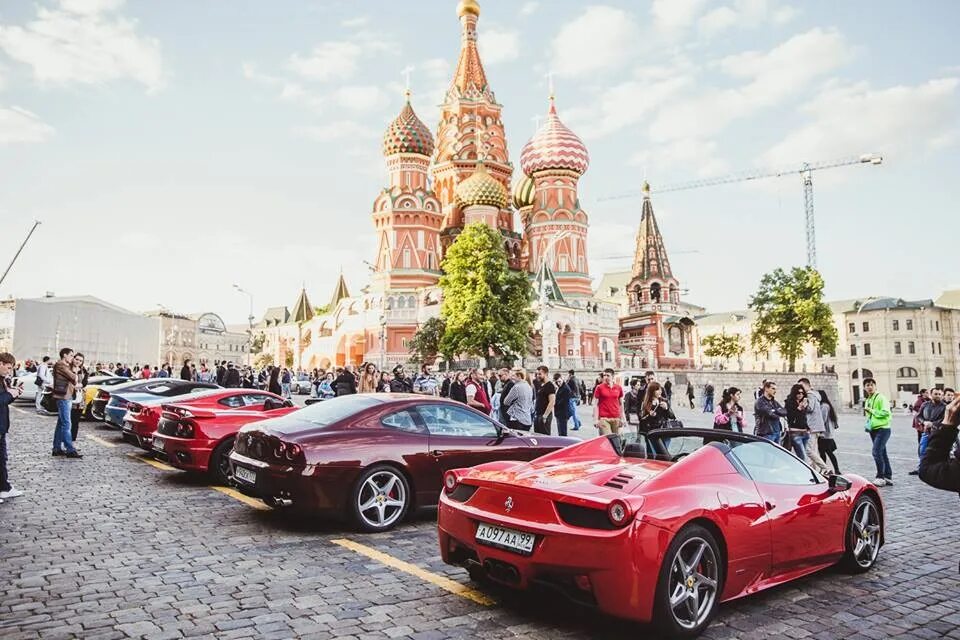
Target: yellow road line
(152, 462)
(105, 443)
(236, 495)
(433, 578)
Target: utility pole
(36, 223)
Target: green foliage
(486, 306)
(257, 345)
(288, 359)
(720, 345)
(321, 311)
(263, 361)
(425, 344)
(791, 313)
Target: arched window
(907, 372)
(655, 292)
(866, 374)
(938, 372)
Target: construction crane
(36, 224)
(806, 173)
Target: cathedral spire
(302, 310)
(650, 259)
(470, 79)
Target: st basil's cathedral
(437, 186)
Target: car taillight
(135, 407)
(185, 429)
(619, 513)
(450, 481)
(103, 395)
(293, 452)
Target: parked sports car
(94, 384)
(197, 433)
(371, 457)
(142, 416)
(122, 395)
(301, 384)
(658, 529)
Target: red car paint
(770, 533)
(188, 431)
(420, 437)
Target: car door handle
(436, 453)
(770, 506)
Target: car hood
(581, 476)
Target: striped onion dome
(481, 188)
(407, 134)
(554, 146)
(523, 193)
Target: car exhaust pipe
(281, 502)
(502, 571)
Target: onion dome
(468, 6)
(481, 188)
(407, 134)
(523, 193)
(554, 146)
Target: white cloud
(701, 157)
(672, 15)
(497, 45)
(360, 97)
(359, 21)
(849, 119)
(745, 14)
(602, 38)
(772, 77)
(338, 130)
(720, 19)
(624, 104)
(83, 46)
(19, 125)
(528, 8)
(339, 59)
(287, 90)
(89, 7)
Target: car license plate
(158, 444)
(246, 475)
(505, 538)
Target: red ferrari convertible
(658, 529)
(197, 433)
(371, 457)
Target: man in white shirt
(45, 377)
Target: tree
(425, 344)
(791, 313)
(720, 345)
(263, 361)
(486, 306)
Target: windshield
(667, 447)
(329, 411)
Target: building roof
(274, 316)
(650, 260)
(546, 280)
(554, 146)
(481, 188)
(339, 293)
(83, 299)
(613, 284)
(302, 309)
(469, 78)
(523, 193)
(407, 134)
(949, 299)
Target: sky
(173, 149)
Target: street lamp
(547, 254)
(383, 334)
(856, 332)
(249, 321)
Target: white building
(34, 327)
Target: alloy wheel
(382, 499)
(694, 576)
(865, 534)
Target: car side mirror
(838, 483)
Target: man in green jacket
(877, 409)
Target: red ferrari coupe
(661, 528)
(371, 457)
(197, 433)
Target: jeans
(285, 389)
(708, 405)
(573, 414)
(880, 437)
(924, 441)
(799, 445)
(772, 437)
(561, 424)
(61, 435)
(4, 479)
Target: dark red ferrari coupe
(371, 457)
(660, 528)
(197, 432)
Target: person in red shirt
(608, 415)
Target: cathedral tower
(470, 140)
(407, 214)
(554, 159)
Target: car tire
(682, 585)
(219, 465)
(380, 498)
(862, 541)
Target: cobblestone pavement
(110, 547)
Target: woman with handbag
(655, 411)
(729, 413)
(797, 430)
(826, 444)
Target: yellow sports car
(93, 386)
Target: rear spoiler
(178, 411)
